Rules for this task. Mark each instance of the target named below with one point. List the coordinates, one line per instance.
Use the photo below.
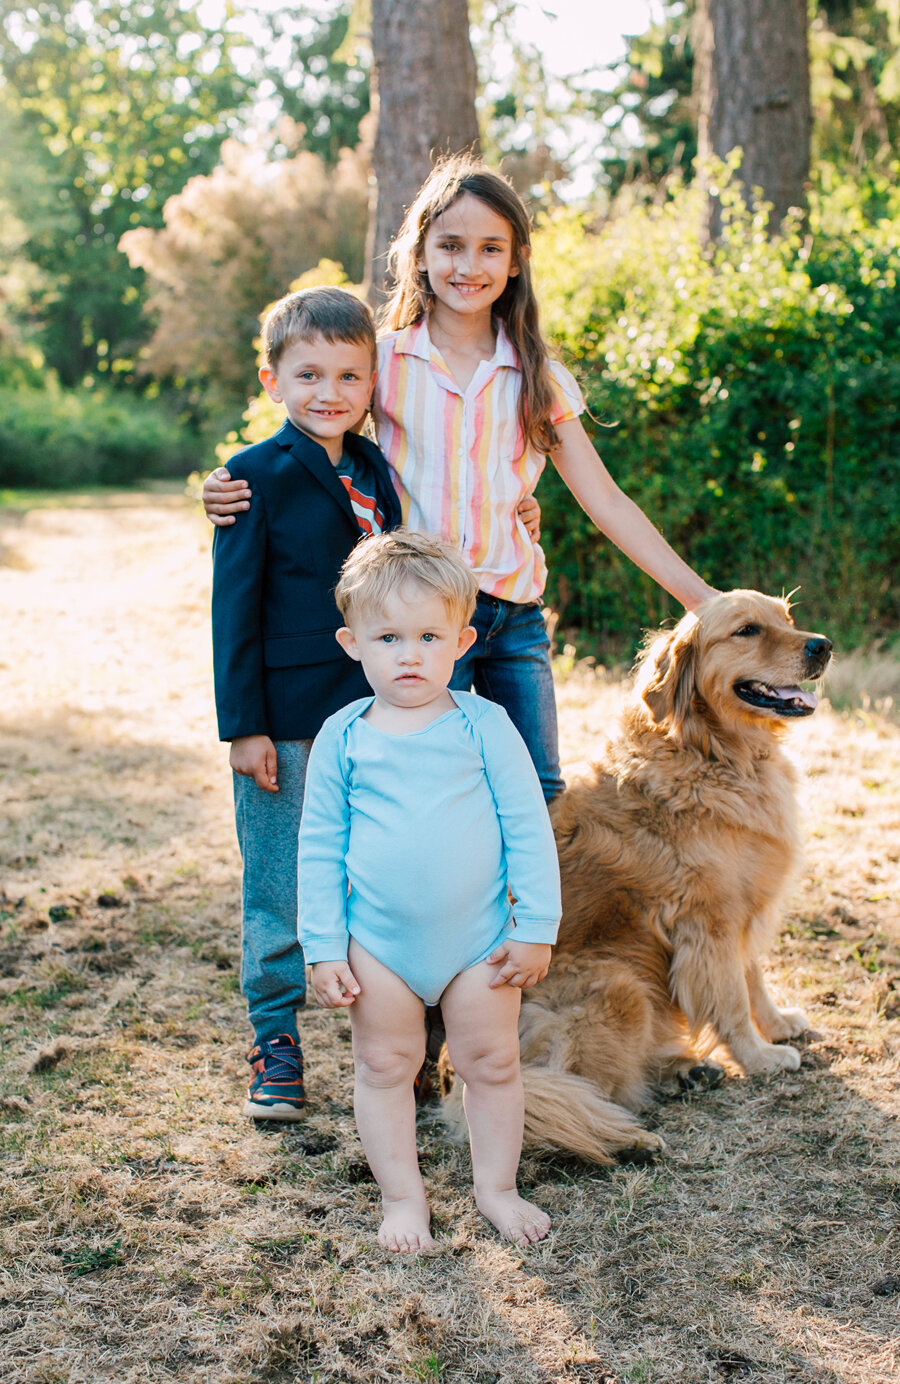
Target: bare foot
(405, 1228)
(515, 1218)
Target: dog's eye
(746, 632)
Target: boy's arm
(239, 558)
(531, 860)
(621, 519)
(322, 851)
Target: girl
(467, 406)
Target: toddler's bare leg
(483, 1043)
(388, 1050)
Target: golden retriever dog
(675, 853)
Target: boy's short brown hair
(333, 313)
(386, 561)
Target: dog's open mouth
(785, 701)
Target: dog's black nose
(818, 650)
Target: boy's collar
(289, 434)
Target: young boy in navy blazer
(317, 487)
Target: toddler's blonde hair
(387, 562)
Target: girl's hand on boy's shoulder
(522, 964)
(223, 498)
(334, 984)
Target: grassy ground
(148, 1232)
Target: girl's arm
(621, 519)
(223, 498)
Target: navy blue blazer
(279, 671)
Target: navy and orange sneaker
(276, 1091)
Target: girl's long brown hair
(412, 297)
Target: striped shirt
(458, 457)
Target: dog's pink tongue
(797, 694)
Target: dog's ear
(668, 678)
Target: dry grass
(150, 1233)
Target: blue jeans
(273, 972)
(510, 664)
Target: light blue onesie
(430, 830)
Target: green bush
(747, 398)
(57, 438)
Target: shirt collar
(415, 341)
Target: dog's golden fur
(674, 853)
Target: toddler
(426, 804)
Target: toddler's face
(326, 387)
(408, 650)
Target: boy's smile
(325, 386)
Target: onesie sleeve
(531, 859)
(324, 837)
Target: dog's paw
(769, 1058)
(703, 1076)
(784, 1023)
(643, 1148)
(796, 1022)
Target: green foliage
(648, 110)
(92, 1258)
(56, 438)
(106, 109)
(324, 86)
(650, 93)
(747, 400)
(855, 76)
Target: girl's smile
(468, 255)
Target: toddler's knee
(495, 1067)
(385, 1067)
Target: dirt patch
(148, 1232)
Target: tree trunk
(752, 82)
(423, 90)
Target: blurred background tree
(751, 78)
(232, 242)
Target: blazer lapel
(385, 491)
(315, 459)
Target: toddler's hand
(223, 498)
(333, 983)
(522, 964)
(255, 756)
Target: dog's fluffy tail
(567, 1112)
